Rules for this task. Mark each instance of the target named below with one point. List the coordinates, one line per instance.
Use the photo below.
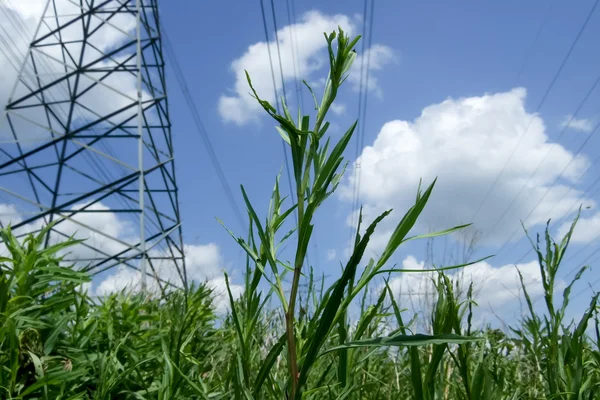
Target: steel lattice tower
(85, 140)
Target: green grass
(287, 336)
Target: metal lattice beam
(86, 133)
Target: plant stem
(289, 315)
(289, 322)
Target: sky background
(468, 92)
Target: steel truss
(86, 144)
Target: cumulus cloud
(239, 107)
(108, 234)
(221, 297)
(466, 142)
(9, 215)
(20, 20)
(103, 231)
(338, 109)
(374, 59)
(204, 263)
(495, 289)
(578, 124)
(586, 230)
(29, 12)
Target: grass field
(286, 336)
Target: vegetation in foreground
(56, 342)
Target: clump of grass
(557, 352)
(58, 343)
(34, 291)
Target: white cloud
(9, 215)
(204, 262)
(465, 143)
(240, 108)
(101, 224)
(20, 19)
(331, 254)
(495, 289)
(375, 58)
(586, 230)
(338, 109)
(29, 9)
(578, 124)
(318, 84)
(99, 228)
(86, 287)
(122, 278)
(221, 297)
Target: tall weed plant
(318, 166)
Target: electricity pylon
(85, 140)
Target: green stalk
(290, 313)
(289, 326)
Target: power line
(287, 164)
(297, 48)
(362, 107)
(360, 97)
(200, 128)
(543, 100)
(278, 51)
(264, 20)
(581, 198)
(535, 40)
(366, 96)
(585, 260)
(580, 251)
(292, 24)
(299, 95)
(518, 78)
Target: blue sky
(454, 87)
(442, 50)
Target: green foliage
(554, 348)
(35, 295)
(58, 343)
